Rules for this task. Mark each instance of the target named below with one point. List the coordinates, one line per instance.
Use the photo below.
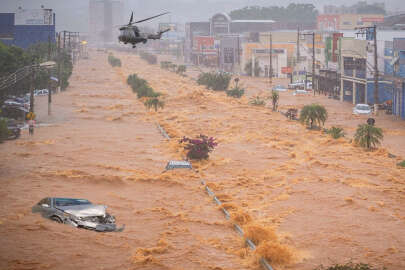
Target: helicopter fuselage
(132, 35)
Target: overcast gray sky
(73, 14)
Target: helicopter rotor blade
(150, 18)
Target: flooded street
(327, 200)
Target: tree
(295, 13)
(313, 114)
(3, 129)
(335, 132)
(368, 136)
(274, 99)
(200, 147)
(154, 102)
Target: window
(70, 202)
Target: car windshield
(70, 202)
(363, 107)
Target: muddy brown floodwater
(319, 200)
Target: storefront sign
(286, 70)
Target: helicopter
(130, 33)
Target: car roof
(361, 104)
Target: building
(398, 71)
(336, 22)
(258, 54)
(104, 16)
(230, 33)
(357, 72)
(27, 27)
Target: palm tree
(275, 98)
(155, 103)
(368, 136)
(335, 132)
(313, 114)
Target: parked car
(279, 88)
(14, 111)
(79, 213)
(43, 92)
(297, 85)
(300, 85)
(14, 129)
(362, 109)
(300, 92)
(18, 101)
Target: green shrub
(235, 92)
(401, 164)
(181, 69)
(165, 64)
(257, 101)
(115, 62)
(141, 87)
(217, 81)
(368, 136)
(150, 58)
(154, 102)
(313, 114)
(3, 130)
(335, 132)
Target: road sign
(31, 116)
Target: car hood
(362, 111)
(90, 210)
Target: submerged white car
(279, 88)
(300, 92)
(79, 213)
(362, 109)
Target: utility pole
(313, 62)
(298, 44)
(32, 77)
(49, 32)
(271, 59)
(376, 101)
(64, 40)
(59, 64)
(372, 30)
(70, 45)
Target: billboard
(328, 22)
(286, 70)
(33, 17)
(372, 19)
